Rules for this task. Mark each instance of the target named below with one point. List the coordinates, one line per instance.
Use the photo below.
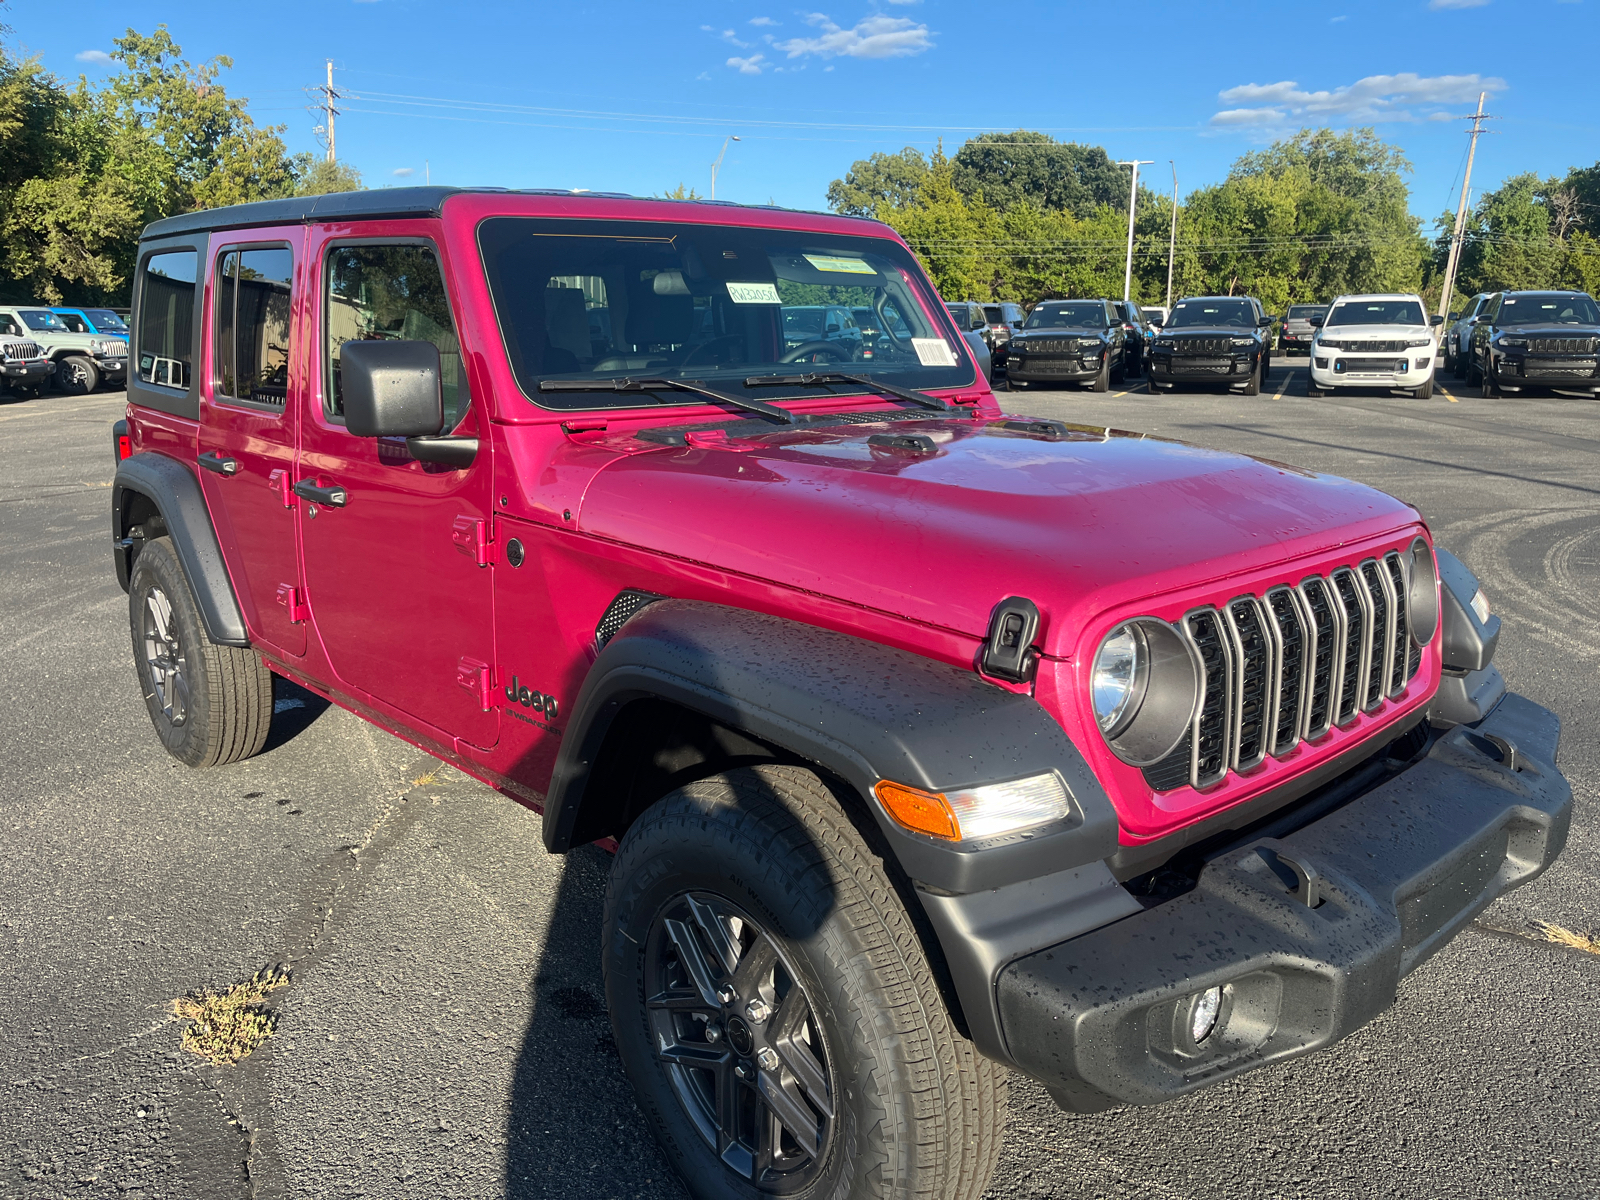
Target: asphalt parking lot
(443, 1033)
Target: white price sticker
(753, 293)
(839, 266)
(933, 352)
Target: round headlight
(1422, 594)
(1144, 684)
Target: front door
(397, 584)
(247, 427)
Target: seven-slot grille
(1367, 347)
(1577, 345)
(1201, 345)
(19, 351)
(1054, 345)
(1286, 667)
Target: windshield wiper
(629, 384)
(827, 377)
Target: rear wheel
(77, 375)
(210, 704)
(773, 1008)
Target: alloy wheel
(163, 654)
(736, 1034)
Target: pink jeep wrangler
(933, 743)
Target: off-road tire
(77, 375)
(226, 692)
(918, 1113)
(1470, 374)
(1486, 386)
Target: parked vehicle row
(1512, 341)
(80, 348)
(1223, 340)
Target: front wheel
(210, 704)
(1102, 381)
(77, 376)
(1425, 392)
(1253, 387)
(773, 1008)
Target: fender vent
(619, 612)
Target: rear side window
(252, 332)
(392, 292)
(166, 318)
(75, 323)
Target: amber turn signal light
(919, 811)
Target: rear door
(250, 375)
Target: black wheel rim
(736, 1034)
(164, 658)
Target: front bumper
(1332, 368)
(27, 372)
(112, 368)
(1103, 1019)
(1581, 372)
(1034, 368)
(1169, 368)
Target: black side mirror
(1315, 322)
(1264, 322)
(1455, 316)
(1436, 319)
(391, 389)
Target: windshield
(106, 321)
(37, 318)
(1301, 312)
(1377, 312)
(1067, 316)
(581, 300)
(1191, 314)
(1548, 310)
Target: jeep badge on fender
(879, 693)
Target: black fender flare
(175, 492)
(862, 710)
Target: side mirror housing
(1436, 320)
(1315, 322)
(391, 389)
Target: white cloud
(1438, 4)
(762, 21)
(1375, 98)
(729, 35)
(749, 66)
(703, 75)
(98, 57)
(871, 37)
(1336, 20)
(905, 1)
(402, 172)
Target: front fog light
(967, 814)
(1203, 1017)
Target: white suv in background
(1376, 341)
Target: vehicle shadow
(573, 1128)
(294, 710)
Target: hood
(1549, 331)
(1076, 522)
(1214, 331)
(1376, 333)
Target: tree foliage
(1023, 167)
(84, 168)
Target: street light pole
(1133, 200)
(716, 166)
(1172, 245)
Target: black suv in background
(1214, 339)
(1297, 330)
(1457, 339)
(1133, 327)
(1069, 341)
(1535, 339)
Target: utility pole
(1172, 244)
(1133, 200)
(716, 166)
(1461, 210)
(328, 95)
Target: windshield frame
(1500, 315)
(104, 320)
(1420, 309)
(729, 377)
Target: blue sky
(637, 97)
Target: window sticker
(933, 352)
(841, 266)
(1510, 301)
(753, 293)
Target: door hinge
(278, 481)
(471, 536)
(294, 602)
(477, 679)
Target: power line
(329, 94)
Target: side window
(252, 297)
(392, 292)
(75, 323)
(166, 318)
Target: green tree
(954, 237)
(319, 177)
(1023, 167)
(1512, 245)
(894, 180)
(681, 192)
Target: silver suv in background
(1297, 329)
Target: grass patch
(1562, 936)
(227, 1026)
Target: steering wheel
(716, 341)
(805, 350)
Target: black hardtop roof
(383, 202)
